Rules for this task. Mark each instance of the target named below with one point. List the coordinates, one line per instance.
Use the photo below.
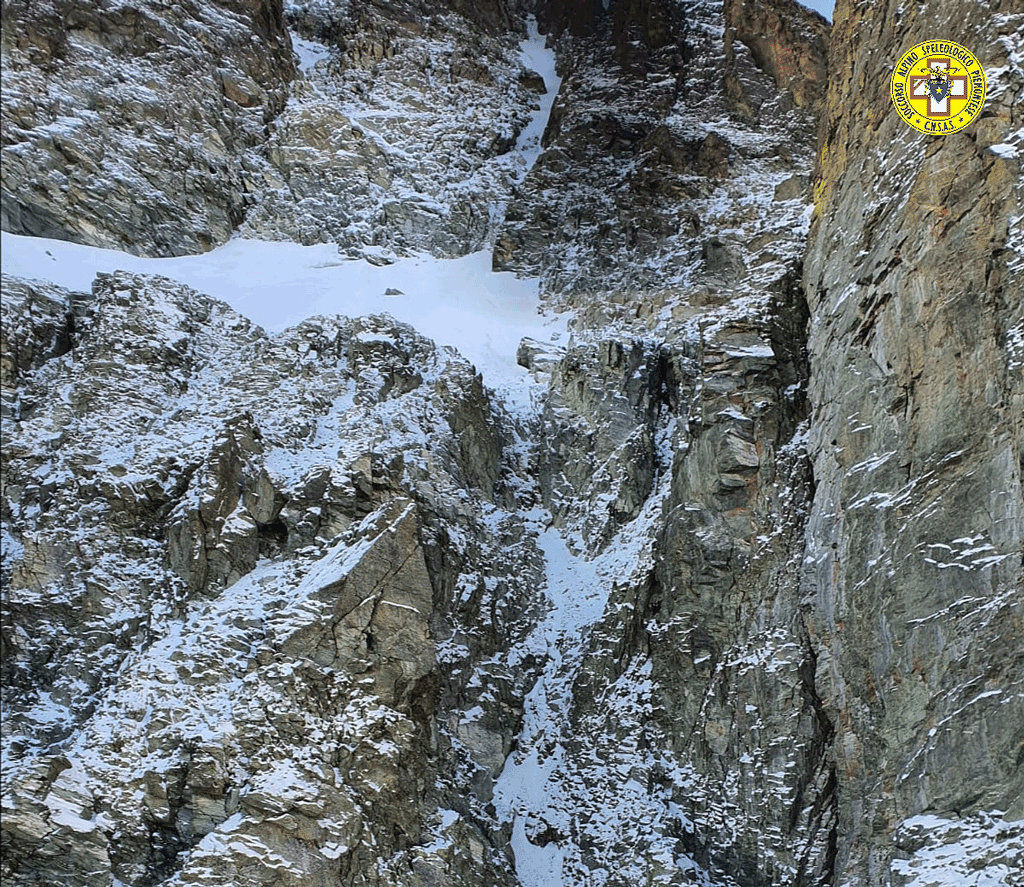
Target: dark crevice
(816, 863)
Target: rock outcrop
(346, 158)
(729, 593)
(134, 126)
(786, 43)
(238, 645)
(637, 191)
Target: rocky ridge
(291, 574)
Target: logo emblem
(938, 87)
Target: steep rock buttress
(913, 579)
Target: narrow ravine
(534, 785)
(536, 56)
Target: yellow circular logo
(938, 87)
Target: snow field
(456, 302)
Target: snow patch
(983, 850)
(457, 302)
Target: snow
(456, 302)
(983, 850)
(533, 784)
(309, 52)
(1007, 152)
(535, 57)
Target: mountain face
(132, 125)
(725, 587)
(913, 544)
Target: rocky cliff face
(257, 604)
(400, 136)
(134, 126)
(913, 568)
(728, 591)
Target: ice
(532, 785)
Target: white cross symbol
(957, 88)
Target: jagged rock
(786, 41)
(357, 177)
(50, 827)
(215, 494)
(377, 616)
(132, 126)
(38, 325)
(599, 427)
(213, 537)
(494, 16)
(630, 176)
(579, 17)
(538, 357)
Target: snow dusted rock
(38, 324)
(786, 42)
(727, 594)
(672, 446)
(51, 827)
(241, 627)
(650, 169)
(933, 850)
(913, 569)
(349, 150)
(598, 460)
(132, 125)
(376, 620)
(213, 537)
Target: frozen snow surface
(456, 302)
(540, 788)
(309, 52)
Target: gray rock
(913, 564)
(123, 130)
(447, 78)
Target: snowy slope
(456, 302)
(536, 57)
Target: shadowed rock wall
(128, 126)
